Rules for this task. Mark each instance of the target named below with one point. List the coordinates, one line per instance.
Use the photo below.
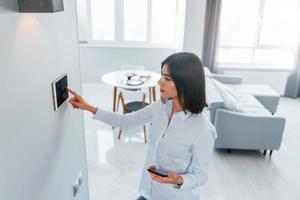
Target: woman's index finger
(72, 92)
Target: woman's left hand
(173, 177)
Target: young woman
(181, 139)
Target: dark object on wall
(41, 6)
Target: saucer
(134, 82)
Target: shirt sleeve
(130, 120)
(202, 155)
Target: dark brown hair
(186, 70)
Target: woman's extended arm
(79, 103)
(122, 121)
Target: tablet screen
(60, 91)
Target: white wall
(96, 61)
(275, 79)
(194, 26)
(41, 151)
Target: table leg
(153, 93)
(150, 95)
(114, 99)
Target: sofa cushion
(243, 103)
(250, 105)
(207, 73)
(268, 97)
(230, 98)
(254, 89)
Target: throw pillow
(230, 98)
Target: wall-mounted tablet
(60, 92)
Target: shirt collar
(183, 115)
(168, 106)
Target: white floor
(115, 165)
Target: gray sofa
(268, 97)
(255, 127)
(244, 131)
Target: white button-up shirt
(184, 146)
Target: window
(104, 27)
(258, 34)
(134, 22)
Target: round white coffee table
(132, 80)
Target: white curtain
(292, 88)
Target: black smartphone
(158, 172)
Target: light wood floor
(115, 166)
